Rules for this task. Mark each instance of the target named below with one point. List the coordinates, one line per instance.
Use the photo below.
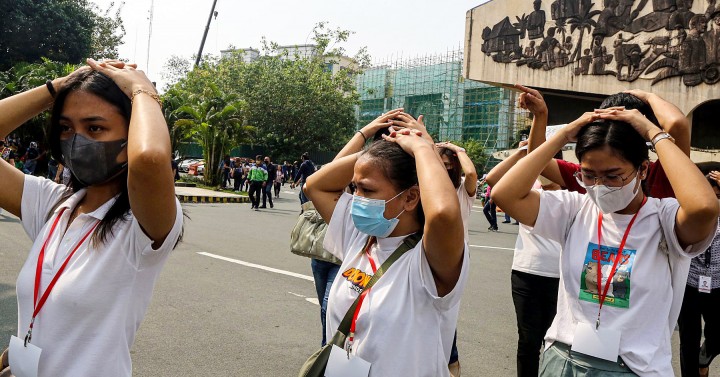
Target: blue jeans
(490, 214)
(303, 198)
(324, 274)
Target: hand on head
(383, 121)
(632, 117)
(571, 130)
(408, 139)
(125, 75)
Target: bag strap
(408, 243)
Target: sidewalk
(199, 195)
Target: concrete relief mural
(629, 39)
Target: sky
(388, 28)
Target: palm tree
(582, 22)
(213, 119)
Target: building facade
(454, 108)
(576, 52)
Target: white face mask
(613, 200)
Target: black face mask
(92, 162)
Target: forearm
(467, 166)
(513, 190)
(434, 192)
(693, 193)
(502, 168)
(333, 177)
(148, 137)
(355, 144)
(18, 109)
(537, 131)
(672, 120)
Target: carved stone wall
(670, 47)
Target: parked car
(197, 168)
(184, 165)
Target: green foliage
(476, 151)
(25, 76)
(293, 103)
(197, 110)
(60, 30)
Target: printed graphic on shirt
(357, 278)
(618, 293)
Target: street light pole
(207, 28)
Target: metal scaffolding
(454, 108)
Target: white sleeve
(142, 244)
(668, 215)
(341, 229)
(557, 213)
(39, 197)
(451, 299)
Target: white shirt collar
(98, 214)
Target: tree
(476, 152)
(60, 30)
(26, 76)
(174, 70)
(210, 117)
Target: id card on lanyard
(705, 281)
(603, 343)
(341, 362)
(25, 357)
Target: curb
(211, 199)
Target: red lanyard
(602, 292)
(38, 272)
(364, 293)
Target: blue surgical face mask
(367, 214)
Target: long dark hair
(397, 165)
(456, 172)
(101, 86)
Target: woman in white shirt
(625, 256)
(99, 244)
(406, 323)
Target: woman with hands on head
(625, 256)
(406, 323)
(661, 113)
(100, 243)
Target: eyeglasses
(611, 181)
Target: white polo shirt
(89, 321)
(404, 327)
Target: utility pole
(147, 62)
(207, 28)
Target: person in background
(32, 154)
(490, 210)
(174, 167)
(268, 186)
(701, 303)
(257, 178)
(238, 175)
(306, 169)
(225, 170)
(279, 178)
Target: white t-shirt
(535, 254)
(89, 321)
(466, 204)
(644, 299)
(404, 328)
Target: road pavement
(233, 301)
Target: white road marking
(492, 247)
(289, 192)
(258, 266)
(311, 300)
